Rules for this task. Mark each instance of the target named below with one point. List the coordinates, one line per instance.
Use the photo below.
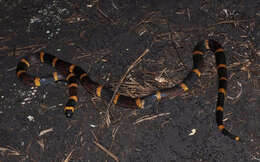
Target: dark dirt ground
(105, 37)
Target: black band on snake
(74, 74)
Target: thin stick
(121, 81)
(103, 14)
(106, 151)
(69, 156)
(150, 117)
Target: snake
(74, 76)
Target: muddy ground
(105, 37)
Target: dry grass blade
(69, 156)
(10, 151)
(45, 131)
(148, 117)
(103, 14)
(106, 151)
(234, 21)
(41, 143)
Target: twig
(106, 151)
(148, 117)
(30, 47)
(69, 156)
(103, 14)
(10, 151)
(121, 81)
(234, 21)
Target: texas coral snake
(74, 74)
